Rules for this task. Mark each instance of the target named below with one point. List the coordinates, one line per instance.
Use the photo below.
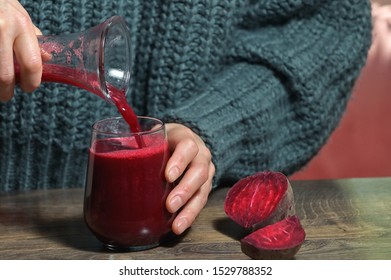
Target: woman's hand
(375, 76)
(18, 37)
(191, 161)
(380, 52)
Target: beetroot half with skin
(281, 240)
(260, 199)
(263, 204)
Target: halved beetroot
(281, 240)
(259, 200)
(263, 203)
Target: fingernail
(175, 203)
(182, 225)
(173, 174)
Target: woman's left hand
(379, 55)
(191, 161)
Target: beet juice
(126, 189)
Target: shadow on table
(73, 232)
(69, 231)
(229, 228)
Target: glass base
(131, 248)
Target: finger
(189, 213)
(28, 54)
(18, 7)
(7, 75)
(184, 153)
(194, 178)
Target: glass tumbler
(126, 190)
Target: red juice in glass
(126, 189)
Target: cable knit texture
(264, 83)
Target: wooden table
(343, 219)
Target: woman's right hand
(18, 36)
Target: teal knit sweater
(264, 83)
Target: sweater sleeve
(286, 80)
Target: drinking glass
(126, 190)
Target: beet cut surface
(281, 240)
(260, 199)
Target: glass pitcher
(97, 59)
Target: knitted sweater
(264, 83)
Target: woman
(242, 85)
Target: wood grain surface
(343, 219)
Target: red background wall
(361, 144)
